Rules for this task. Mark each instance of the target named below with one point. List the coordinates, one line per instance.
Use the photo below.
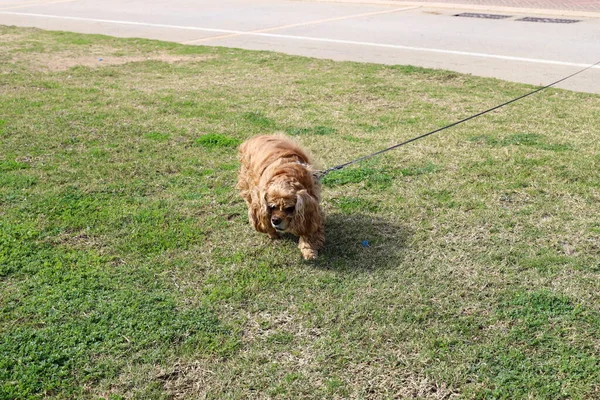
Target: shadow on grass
(360, 242)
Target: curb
(472, 7)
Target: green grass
(464, 265)
(215, 140)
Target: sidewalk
(581, 8)
(563, 5)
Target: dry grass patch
(86, 53)
(98, 59)
(200, 380)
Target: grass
(212, 140)
(463, 266)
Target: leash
(321, 174)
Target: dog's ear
(307, 216)
(259, 210)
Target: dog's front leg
(310, 245)
(273, 234)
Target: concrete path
(569, 6)
(427, 34)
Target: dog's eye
(271, 207)
(289, 210)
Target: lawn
(464, 265)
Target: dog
(276, 180)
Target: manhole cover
(479, 15)
(549, 20)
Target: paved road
(391, 32)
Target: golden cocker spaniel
(276, 181)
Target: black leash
(321, 174)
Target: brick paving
(564, 5)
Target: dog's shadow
(362, 242)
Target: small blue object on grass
(99, 59)
(365, 243)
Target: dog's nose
(275, 220)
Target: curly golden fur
(276, 181)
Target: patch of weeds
(369, 176)
(317, 130)
(277, 391)
(558, 147)
(72, 209)
(539, 320)
(521, 139)
(335, 386)
(532, 162)
(11, 165)
(192, 50)
(244, 280)
(443, 197)
(75, 39)
(440, 345)
(19, 249)
(80, 321)
(158, 136)
(418, 315)
(411, 120)
(545, 262)
(573, 174)
(183, 107)
(109, 72)
(293, 377)
(410, 69)
(369, 128)
(133, 188)
(350, 205)
(71, 140)
(215, 140)
(281, 338)
(537, 306)
(428, 168)
(187, 105)
(485, 139)
(229, 167)
(259, 119)
(32, 46)
(98, 153)
(488, 164)
(17, 181)
(591, 266)
(156, 228)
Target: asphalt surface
(389, 32)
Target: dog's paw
(274, 235)
(309, 254)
